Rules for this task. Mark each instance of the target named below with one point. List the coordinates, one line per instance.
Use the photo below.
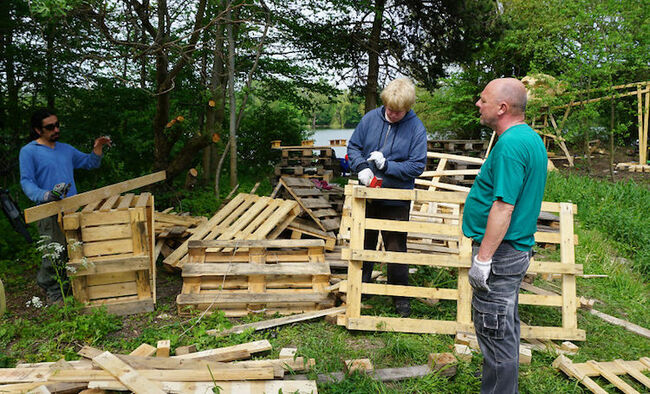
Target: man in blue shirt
(47, 174)
(500, 215)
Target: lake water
(322, 137)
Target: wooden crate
(611, 370)
(242, 277)
(110, 246)
(458, 258)
(245, 217)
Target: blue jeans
(496, 320)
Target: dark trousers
(47, 277)
(496, 320)
(398, 274)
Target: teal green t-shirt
(514, 172)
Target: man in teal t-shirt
(500, 215)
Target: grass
(43, 335)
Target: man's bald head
(512, 91)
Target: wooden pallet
(611, 370)
(172, 230)
(458, 258)
(246, 216)
(452, 172)
(110, 246)
(284, 276)
(633, 167)
(312, 201)
(303, 227)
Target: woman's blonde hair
(399, 94)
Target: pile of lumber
(172, 229)
(150, 369)
(302, 162)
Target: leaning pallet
(459, 259)
(242, 277)
(110, 246)
(608, 370)
(172, 230)
(312, 201)
(246, 216)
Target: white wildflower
(71, 269)
(35, 302)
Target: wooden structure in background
(110, 247)
(639, 89)
(610, 371)
(242, 277)
(301, 161)
(245, 217)
(458, 258)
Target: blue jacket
(404, 145)
(42, 167)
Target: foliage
(619, 210)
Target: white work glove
(479, 273)
(365, 176)
(379, 159)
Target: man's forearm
(497, 227)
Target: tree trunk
(373, 57)
(214, 112)
(12, 115)
(49, 67)
(231, 95)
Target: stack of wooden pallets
(312, 200)
(110, 247)
(212, 370)
(245, 217)
(242, 277)
(301, 161)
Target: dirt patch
(364, 343)
(599, 166)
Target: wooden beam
(644, 332)
(72, 203)
(277, 322)
(126, 374)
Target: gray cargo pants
(46, 276)
(496, 320)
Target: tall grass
(620, 210)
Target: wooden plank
(108, 204)
(162, 348)
(103, 233)
(91, 206)
(635, 373)
(458, 158)
(437, 173)
(104, 248)
(553, 333)
(242, 387)
(251, 347)
(144, 350)
(71, 203)
(260, 298)
(406, 291)
(125, 202)
(262, 243)
(143, 200)
(402, 194)
(180, 375)
(112, 290)
(437, 260)
(277, 322)
(107, 266)
(569, 300)
(115, 277)
(644, 332)
(190, 270)
(104, 218)
(128, 376)
(613, 379)
(566, 365)
(395, 324)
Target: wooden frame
(608, 370)
(242, 277)
(111, 246)
(458, 258)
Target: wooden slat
(104, 218)
(70, 203)
(125, 202)
(103, 248)
(108, 204)
(260, 298)
(190, 270)
(613, 379)
(251, 347)
(112, 290)
(242, 387)
(102, 233)
(128, 376)
(263, 243)
(107, 266)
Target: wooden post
(567, 253)
(357, 236)
(639, 97)
(464, 303)
(643, 147)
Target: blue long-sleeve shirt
(42, 167)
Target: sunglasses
(51, 126)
